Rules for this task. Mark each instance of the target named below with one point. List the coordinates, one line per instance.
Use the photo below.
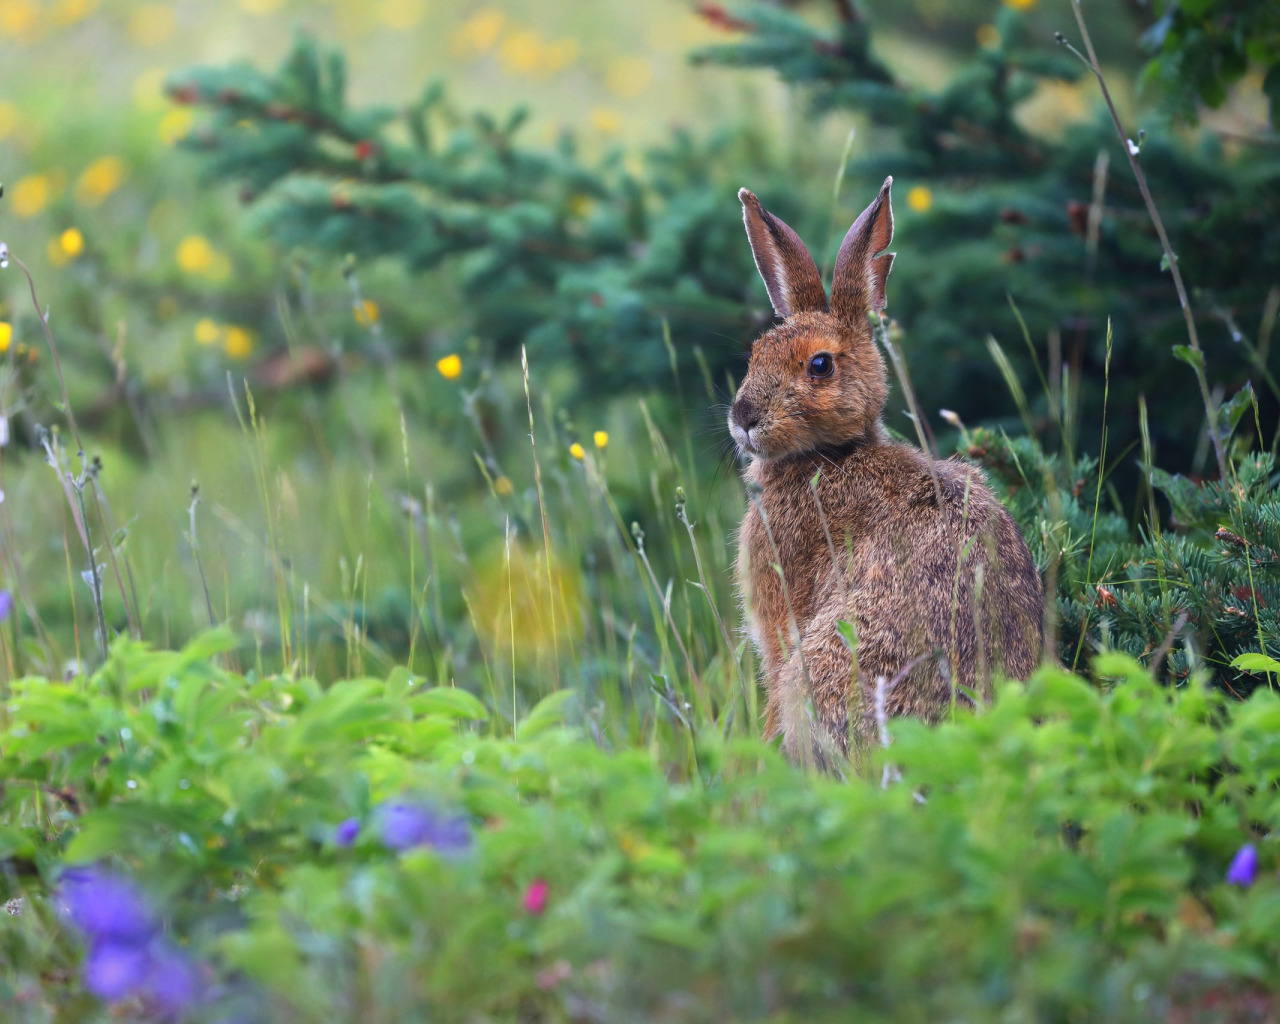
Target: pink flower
(535, 897)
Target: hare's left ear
(862, 266)
(790, 275)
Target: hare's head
(816, 380)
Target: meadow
(370, 648)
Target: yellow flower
(175, 124)
(71, 242)
(450, 366)
(919, 199)
(17, 17)
(577, 451)
(195, 254)
(501, 486)
(580, 205)
(30, 194)
(606, 120)
(207, 331)
(8, 118)
(988, 36)
(481, 31)
(559, 55)
(237, 343)
(151, 24)
(1020, 5)
(68, 12)
(601, 438)
(367, 313)
(6, 335)
(521, 53)
(628, 77)
(99, 180)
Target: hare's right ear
(789, 273)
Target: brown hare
(845, 524)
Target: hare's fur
(918, 556)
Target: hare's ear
(862, 266)
(789, 273)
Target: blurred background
(291, 252)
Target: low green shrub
(375, 851)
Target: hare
(846, 525)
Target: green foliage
(1198, 594)
(1204, 47)
(1058, 856)
(1019, 206)
(572, 260)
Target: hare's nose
(744, 414)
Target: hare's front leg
(814, 689)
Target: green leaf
(1231, 411)
(546, 714)
(451, 702)
(1252, 661)
(1190, 356)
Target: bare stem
(1210, 407)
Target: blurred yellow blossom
(606, 120)
(99, 180)
(919, 199)
(195, 254)
(68, 12)
(601, 438)
(988, 36)
(628, 77)
(480, 32)
(401, 14)
(367, 313)
(71, 242)
(237, 343)
(17, 17)
(501, 486)
(30, 194)
(559, 55)
(261, 6)
(151, 24)
(577, 451)
(1020, 5)
(521, 53)
(450, 366)
(580, 205)
(8, 118)
(6, 335)
(207, 331)
(175, 124)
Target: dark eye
(821, 365)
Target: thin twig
(1171, 258)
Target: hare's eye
(821, 365)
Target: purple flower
(407, 825)
(114, 971)
(345, 834)
(107, 907)
(6, 604)
(1244, 866)
(173, 982)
